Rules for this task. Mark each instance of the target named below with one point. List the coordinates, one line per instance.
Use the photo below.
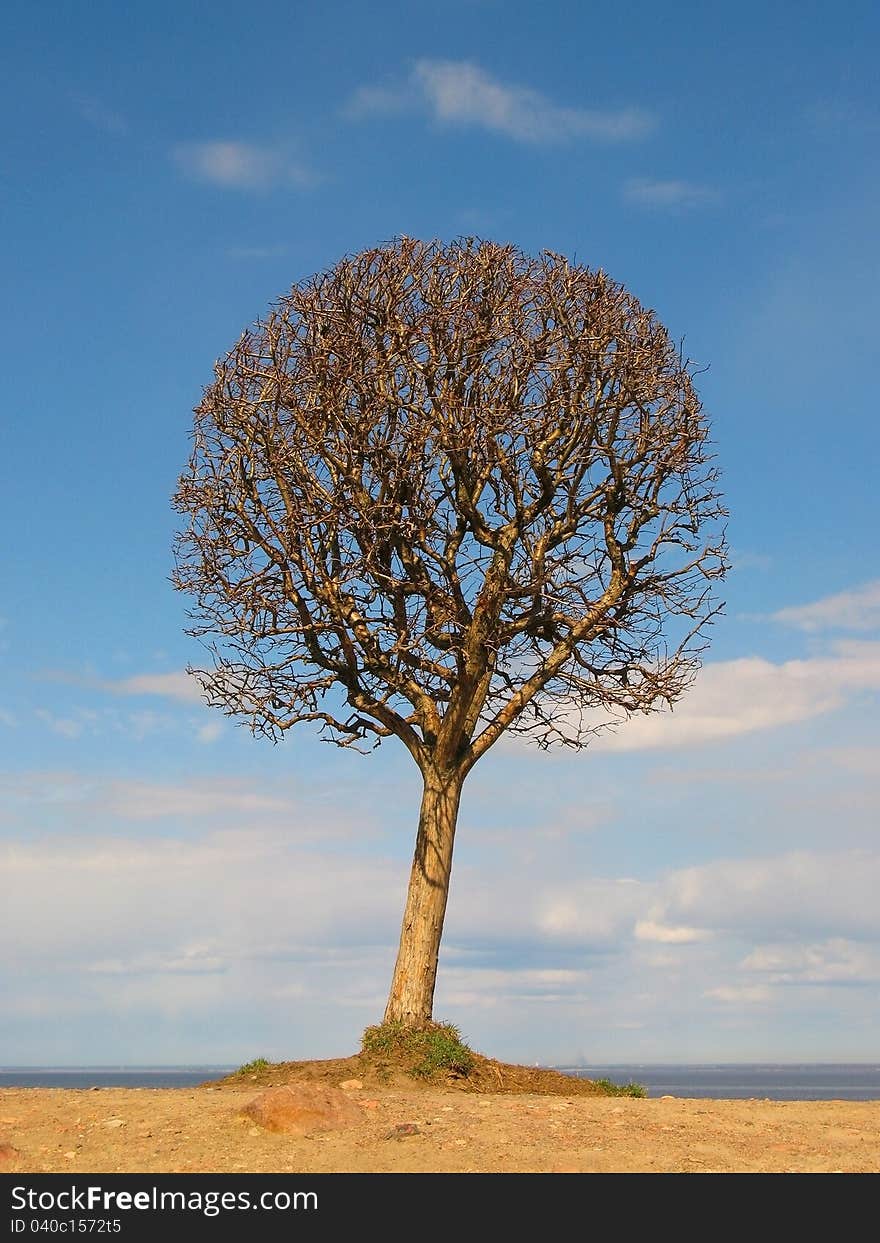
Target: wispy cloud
(262, 913)
(669, 195)
(73, 726)
(735, 697)
(746, 559)
(243, 166)
(814, 895)
(832, 118)
(650, 930)
(836, 961)
(135, 800)
(188, 960)
(178, 685)
(462, 93)
(739, 994)
(148, 800)
(370, 101)
(99, 116)
(858, 609)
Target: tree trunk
(412, 986)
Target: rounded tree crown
(456, 490)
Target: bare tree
(444, 493)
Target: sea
(802, 1081)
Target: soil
(500, 1119)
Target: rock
(370, 1104)
(303, 1108)
(114, 1122)
(8, 1154)
(402, 1131)
(351, 1085)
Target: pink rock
(303, 1108)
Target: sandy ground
(179, 1130)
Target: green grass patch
(621, 1089)
(424, 1052)
(253, 1068)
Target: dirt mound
(485, 1075)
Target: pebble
(402, 1130)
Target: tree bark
(411, 999)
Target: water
(807, 1081)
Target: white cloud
(669, 194)
(650, 930)
(40, 797)
(462, 93)
(209, 733)
(66, 726)
(481, 987)
(734, 697)
(146, 800)
(809, 894)
(835, 961)
(181, 686)
(858, 609)
(262, 925)
(106, 900)
(746, 559)
(188, 960)
(242, 166)
(594, 912)
(739, 994)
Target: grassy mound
(432, 1052)
(435, 1055)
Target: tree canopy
(445, 492)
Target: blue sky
(698, 887)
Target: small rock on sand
(402, 1131)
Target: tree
(444, 493)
